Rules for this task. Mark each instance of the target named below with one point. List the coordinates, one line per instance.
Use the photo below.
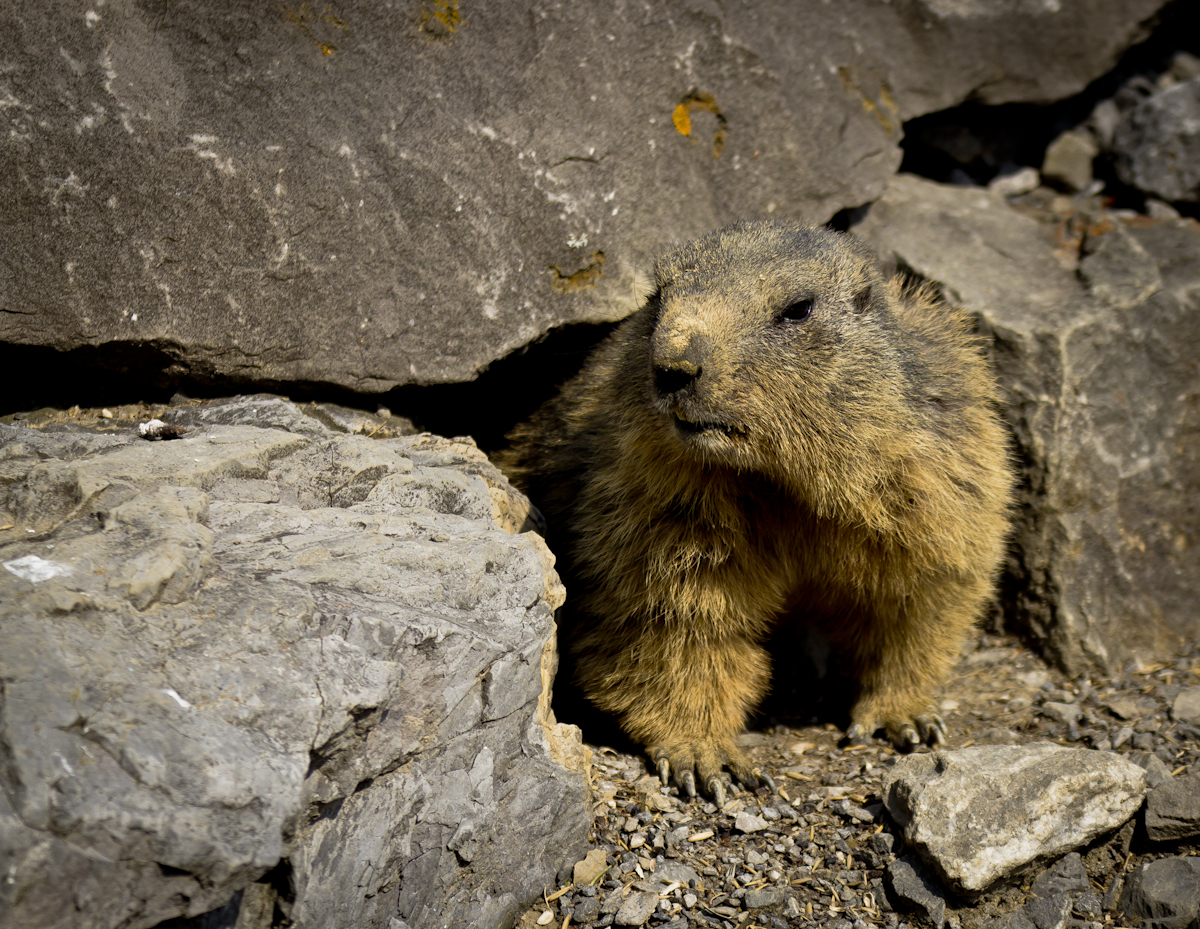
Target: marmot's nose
(674, 370)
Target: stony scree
(910, 881)
(1186, 707)
(246, 649)
(835, 869)
(1157, 143)
(1164, 893)
(1055, 891)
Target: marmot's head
(770, 340)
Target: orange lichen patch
(1078, 225)
(682, 117)
(880, 102)
(586, 276)
(441, 20)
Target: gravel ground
(815, 853)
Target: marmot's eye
(797, 312)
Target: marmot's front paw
(683, 764)
(903, 731)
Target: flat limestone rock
(1099, 387)
(370, 195)
(979, 813)
(255, 650)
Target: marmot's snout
(679, 360)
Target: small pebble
(748, 822)
(637, 908)
(1187, 705)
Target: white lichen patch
(174, 695)
(200, 146)
(489, 289)
(35, 570)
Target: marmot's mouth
(705, 427)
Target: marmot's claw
(689, 784)
(932, 729)
(754, 778)
(905, 733)
(664, 771)
(716, 787)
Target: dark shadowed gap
(973, 143)
(33, 377)
(507, 393)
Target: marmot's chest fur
(778, 431)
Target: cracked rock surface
(1086, 313)
(274, 648)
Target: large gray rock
(255, 649)
(370, 195)
(1157, 143)
(980, 813)
(1100, 387)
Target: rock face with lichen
(277, 663)
(368, 195)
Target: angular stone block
(1102, 391)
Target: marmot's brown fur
(779, 434)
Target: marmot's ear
(864, 298)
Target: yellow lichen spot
(682, 119)
(586, 276)
(441, 21)
(880, 103)
(311, 23)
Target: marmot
(778, 435)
